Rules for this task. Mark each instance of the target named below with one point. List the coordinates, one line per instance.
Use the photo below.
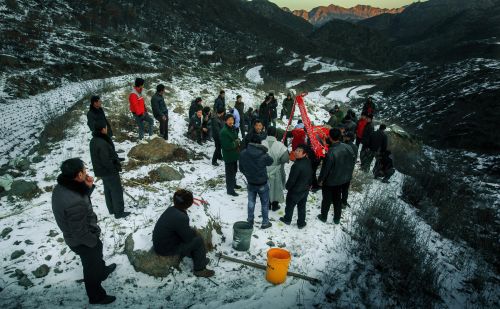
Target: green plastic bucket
(242, 234)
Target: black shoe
(237, 187)
(322, 218)
(265, 226)
(108, 299)
(275, 206)
(108, 270)
(122, 215)
(233, 194)
(301, 226)
(215, 164)
(282, 219)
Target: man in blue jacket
(253, 162)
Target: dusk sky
(309, 4)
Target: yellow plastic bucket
(277, 265)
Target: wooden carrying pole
(255, 265)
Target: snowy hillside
(323, 251)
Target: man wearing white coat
(276, 171)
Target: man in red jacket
(360, 128)
(138, 108)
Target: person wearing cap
(240, 106)
(348, 140)
(75, 217)
(217, 124)
(138, 108)
(96, 113)
(220, 101)
(336, 171)
(297, 186)
(172, 235)
(230, 153)
(286, 107)
(160, 110)
(106, 164)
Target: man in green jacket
(230, 154)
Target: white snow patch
(251, 56)
(253, 75)
(289, 63)
(207, 52)
(294, 83)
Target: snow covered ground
(317, 250)
(253, 75)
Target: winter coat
(240, 106)
(360, 128)
(248, 137)
(369, 108)
(337, 167)
(253, 162)
(300, 178)
(136, 100)
(95, 115)
(172, 230)
(193, 107)
(378, 141)
(158, 106)
(273, 108)
(230, 144)
(355, 152)
(287, 107)
(276, 172)
(105, 160)
(367, 135)
(220, 103)
(73, 212)
(265, 113)
(237, 118)
(217, 124)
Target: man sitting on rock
(172, 235)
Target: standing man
(240, 106)
(367, 154)
(298, 185)
(172, 235)
(360, 127)
(335, 172)
(160, 111)
(73, 212)
(138, 108)
(96, 113)
(230, 153)
(273, 108)
(220, 101)
(286, 109)
(265, 111)
(253, 163)
(106, 165)
(217, 125)
(276, 172)
(258, 129)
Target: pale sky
(309, 4)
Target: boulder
(158, 150)
(24, 189)
(5, 232)
(21, 164)
(165, 173)
(406, 150)
(41, 271)
(16, 254)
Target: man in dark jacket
(265, 111)
(220, 101)
(273, 108)
(240, 106)
(73, 212)
(335, 172)
(349, 141)
(217, 124)
(96, 113)
(298, 185)
(196, 131)
(369, 108)
(160, 111)
(172, 235)
(366, 154)
(258, 130)
(196, 104)
(253, 162)
(230, 153)
(106, 165)
(286, 109)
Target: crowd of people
(260, 155)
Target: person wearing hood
(75, 217)
(172, 235)
(276, 172)
(106, 164)
(96, 113)
(253, 162)
(160, 110)
(138, 108)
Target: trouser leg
(231, 169)
(93, 270)
(337, 202)
(326, 201)
(252, 198)
(108, 196)
(196, 250)
(140, 124)
(264, 202)
(345, 192)
(116, 188)
(289, 207)
(150, 122)
(301, 209)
